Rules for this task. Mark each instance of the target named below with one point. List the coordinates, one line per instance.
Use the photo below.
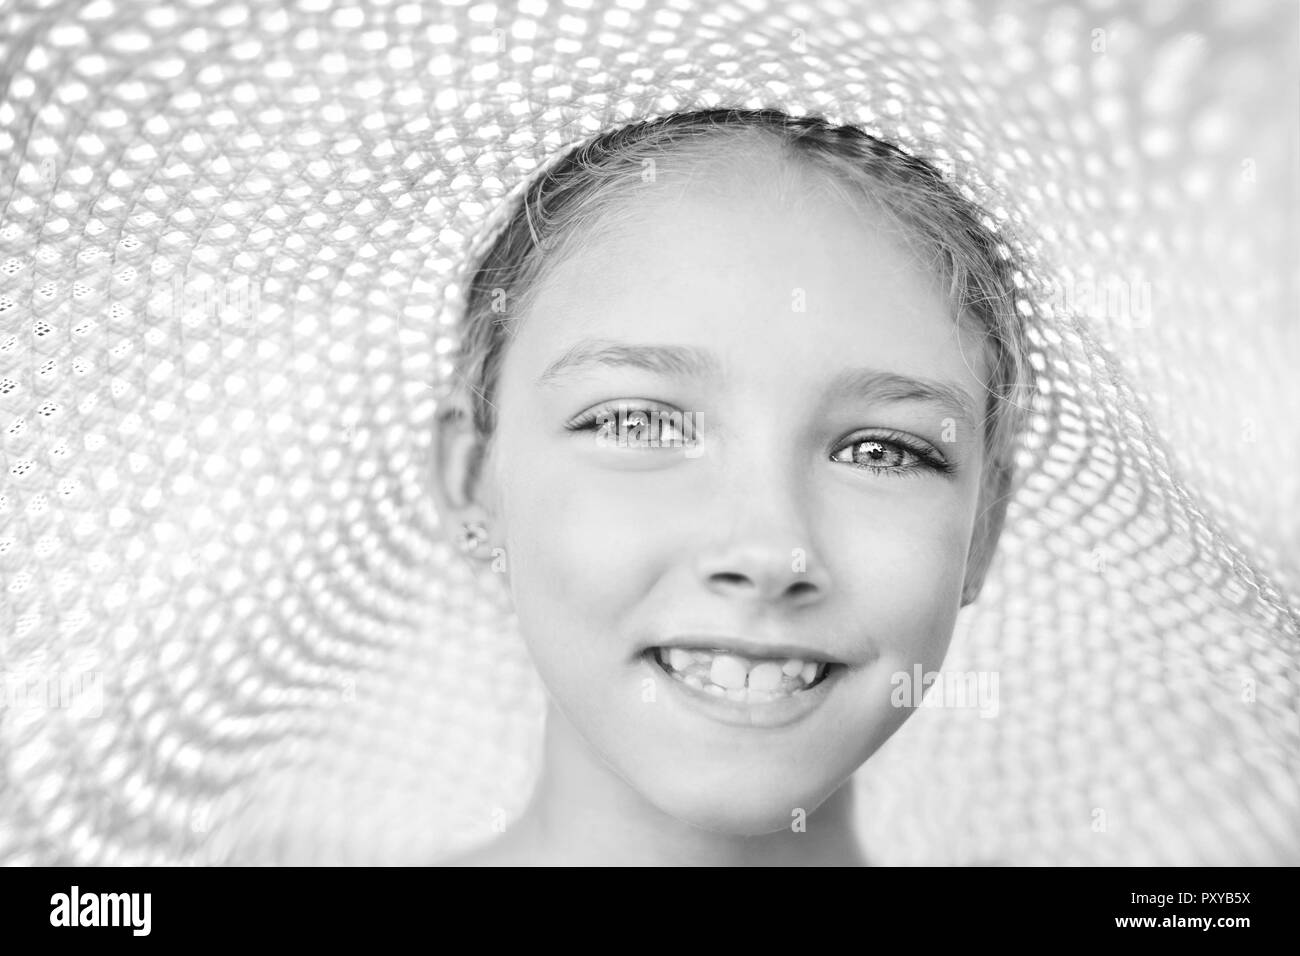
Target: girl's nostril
(729, 577)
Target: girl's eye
(893, 455)
(633, 425)
(630, 424)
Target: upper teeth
(731, 672)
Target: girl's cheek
(904, 569)
(572, 547)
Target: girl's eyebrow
(879, 385)
(678, 361)
(681, 361)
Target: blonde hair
(575, 196)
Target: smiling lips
(740, 678)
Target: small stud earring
(471, 535)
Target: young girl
(734, 425)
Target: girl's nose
(757, 574)
(764, 549)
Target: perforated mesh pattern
(231, 251)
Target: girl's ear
(459, 453)
(995, 494)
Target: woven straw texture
(232, 249)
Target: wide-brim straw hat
(232, 257)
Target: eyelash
(587, 420)
(926, 459)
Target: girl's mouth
(742, 679)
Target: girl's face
(819, 370)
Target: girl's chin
(748, 827)
(742, 812)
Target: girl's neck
(582, 813)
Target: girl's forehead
(696, 240)
(756, 277)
